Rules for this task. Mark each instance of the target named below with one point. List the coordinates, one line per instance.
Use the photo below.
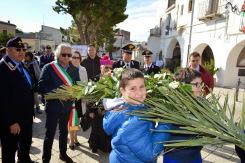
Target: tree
(19, 31)
(4, 38)
(94, 19)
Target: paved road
(210, 154)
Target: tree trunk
(80, 30)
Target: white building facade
(211, 27)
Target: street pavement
(210, 154)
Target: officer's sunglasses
(19, 49)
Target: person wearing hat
(16, 103)
(46, 57)
(149, 67)
(126, 60)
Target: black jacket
(92, 67)
(16, 95)
(151, 70)
(49, 81)
(120, 63)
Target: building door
(207, 56)
(176, 56)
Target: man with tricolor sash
(54, 75)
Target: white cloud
(142, 17)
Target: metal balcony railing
(155, 32)
(210, 9)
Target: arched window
(190, 6)
(241, 59)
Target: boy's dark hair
(30, 54)
(194, 54)
(129, 74)
(186, 75)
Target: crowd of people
(24, 79)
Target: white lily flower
(174, 84)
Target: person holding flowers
(132, 139)
(98, 139)
(186, 154)
(54, 75)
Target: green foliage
(168, 101)
(210, 66)
(4, 38)
(19, 31)
(94, 19)
(206, 120)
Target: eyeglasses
(197, 84)
(66, 55)
(19, 49)
(76, 58)
(107, 69)
(147, 56)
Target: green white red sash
(61, 72)
(73, 123)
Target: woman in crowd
(76, 60)
(132, 138)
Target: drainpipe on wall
(191, 25)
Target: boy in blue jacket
(132, 138)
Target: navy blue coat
(120, 63)
(45, 59)
(50, 81)
(184, 154)
(152, 70)
(16, 95)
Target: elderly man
(17, 104)
(149, 67)
(207, 78)
(54, 75)
(126, 60)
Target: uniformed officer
(149, 67)
(16, 103)
(126, 60)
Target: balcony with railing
(211, 9)
(155, 32)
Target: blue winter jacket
(132, 138)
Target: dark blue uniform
(153, 69)
(17, 106)
(56, 111)
(45, 59)
(132, 64)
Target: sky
(29, 15)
